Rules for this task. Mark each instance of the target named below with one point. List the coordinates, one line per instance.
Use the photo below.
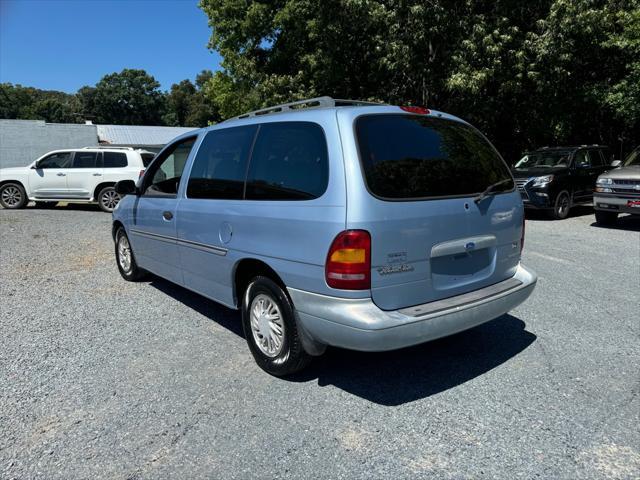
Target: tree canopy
(526, 73)
(130, 97)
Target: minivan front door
(153, 232)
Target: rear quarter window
(114, 159)
(408, 157)
(289, 162)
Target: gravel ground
(100, 378)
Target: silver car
(618, 190)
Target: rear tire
(606, 218)
(108, 199)
(561, 206)
(13, 196)
(270, 328)
(125, 259)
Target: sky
(66, 44)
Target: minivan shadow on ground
(402, 376)
(391, 378)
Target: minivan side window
(114, 159)
(56, 160)
(84, 160)
(289, 162)
(220, 166)
(163, 176)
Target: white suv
(79, 176)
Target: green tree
(131, 97)
(187, 104)
(526, 73)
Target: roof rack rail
(318, 102)
(107, 146)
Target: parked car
(78, 176)
(332, 222)
(555, 179)
(618, 190)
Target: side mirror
(126, 187)
(616, 163)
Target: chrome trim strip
(155, 236)
(179, 241)
(203, 246)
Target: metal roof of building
(138, 134)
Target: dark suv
(557, 178)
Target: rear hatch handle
(463, 245)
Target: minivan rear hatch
(430, 238)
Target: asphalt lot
(100, 378)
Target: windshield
(557, 158)
(633, 158)
(412, 157)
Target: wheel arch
(99, 187)
(248, 268)
(4, 182)
(114, 228)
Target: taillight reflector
(522, 237)
(140, 174)
(418, 110)
(348, 265)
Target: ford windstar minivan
(332, 222)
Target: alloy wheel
(109, 199)
(124, 253)
(11, 196)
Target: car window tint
(114, 159)
(84, 160)
(412, 157)
(289, 162)
(56, 160)
(146, 158)
(582, 159)
(220, 165)
(165, 173)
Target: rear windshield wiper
(489, 190)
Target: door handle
(167, 215)
(61, 174)
(97, 174)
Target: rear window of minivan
(408, 157)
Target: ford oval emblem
(470, 246)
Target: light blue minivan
(332, 222)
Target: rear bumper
(358, 324)
(616, 204)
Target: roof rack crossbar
(318, 102)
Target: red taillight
(522, 237)
(348, 264)
(418, 110)
(140, 174)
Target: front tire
(125, 260)
(13, 196)
(108, 198)
(606, 218)
(270, 328)
(561, 206)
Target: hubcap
(11, 196)
(267, 325)
(124, 253)
(110, 199)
